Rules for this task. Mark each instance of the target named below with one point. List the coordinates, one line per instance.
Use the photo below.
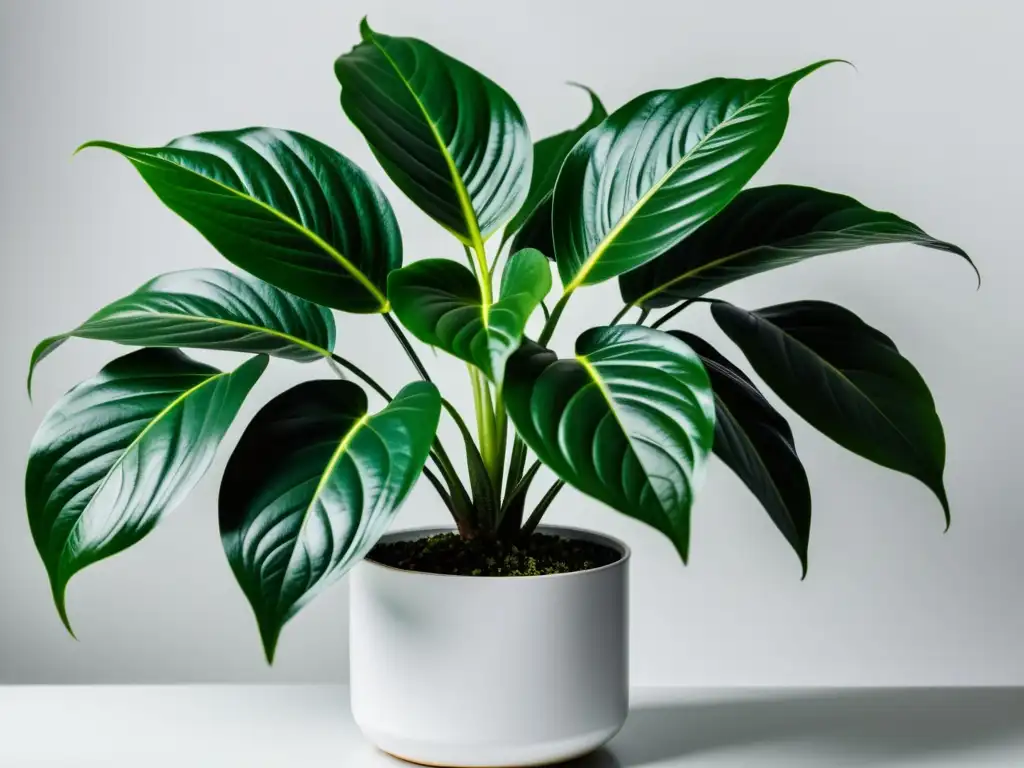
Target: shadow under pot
(489, 671)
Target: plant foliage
(652, 193)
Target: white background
(928, 125)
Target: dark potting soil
(448, 553)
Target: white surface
(928, 126)
(274, 727)
(490, 671)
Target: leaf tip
(269, 635)
(87, 145)
(365, 31)
(60, 603)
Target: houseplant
(651, 195)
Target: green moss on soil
(448, 553)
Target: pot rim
(563, 530)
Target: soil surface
(448, 553)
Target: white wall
(928, 125)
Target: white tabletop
(284, 726)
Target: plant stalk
(672, 313)
(556, 313)
(542, 507)
(437, 453)
(404, 341)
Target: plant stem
(437, 454)
(501, 427)
(542, 507)
(478, 406)
(672, 313)
(360, 373)
(621, 314)
(515, 465)
(404, 341)
(556, 313)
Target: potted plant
(501, 641)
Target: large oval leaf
(122, 449)
(755, 441)
(847, 380)
(658, 168)
(630, 420)
(548, 155)
(312, 485)
(208, 309)
(439, 302)
(450, 139)
(765, 228)
(282, 206)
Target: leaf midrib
(175, 403)
(348, 266)
(602, 387)
(325, 478)
(841, 375)
(784, 244)
(218, 321)
(626, 220)
(465, 204)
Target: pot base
(433, 755)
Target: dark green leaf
(208, 309)
(536, 231)
(658, 168)
(312, 485)
(439, 302)
(122, 449)
(847, 380)
(548, 154)
(765, 228)
(450, 139)
(282, 206)
(629, 420)
(755, 441)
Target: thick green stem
(501, 430)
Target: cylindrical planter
(475, 671)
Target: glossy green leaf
(283, 207)
(450, 139)
(208, 309)
(313, 484)
(122, 449)
(658, 168)
(438, 300)
(629, 420)
(847, 380)
(765, 228)
(548, 155)
(755, 441)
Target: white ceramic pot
(475, 671)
